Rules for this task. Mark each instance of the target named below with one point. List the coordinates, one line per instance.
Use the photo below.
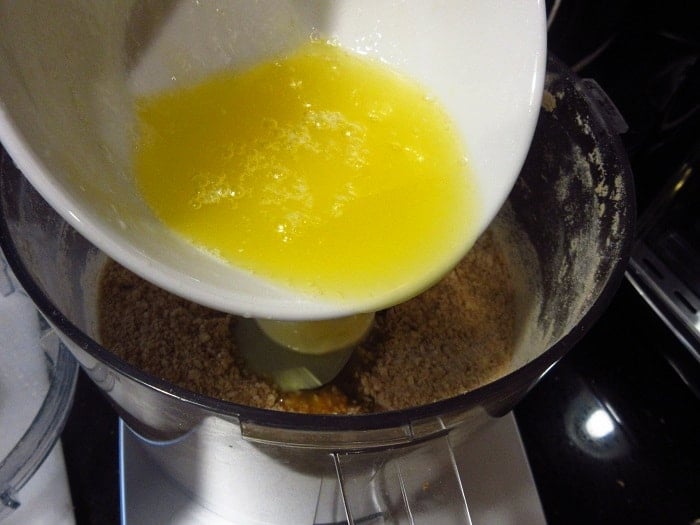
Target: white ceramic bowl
(69, 72)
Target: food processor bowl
(572, 209)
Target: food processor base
(498, 485)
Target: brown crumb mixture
(450, 339)
(178, 341)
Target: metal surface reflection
(592, 425)
(599, 424)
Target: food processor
(572, 207)
(568, 221)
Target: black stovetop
(629, 374)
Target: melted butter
(323, 170)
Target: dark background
(645, 56)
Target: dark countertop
(626, 369)
(647, 470)
(91, 450)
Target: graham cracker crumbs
(450, 339)
(175, 340)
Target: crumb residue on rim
(549, 101)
